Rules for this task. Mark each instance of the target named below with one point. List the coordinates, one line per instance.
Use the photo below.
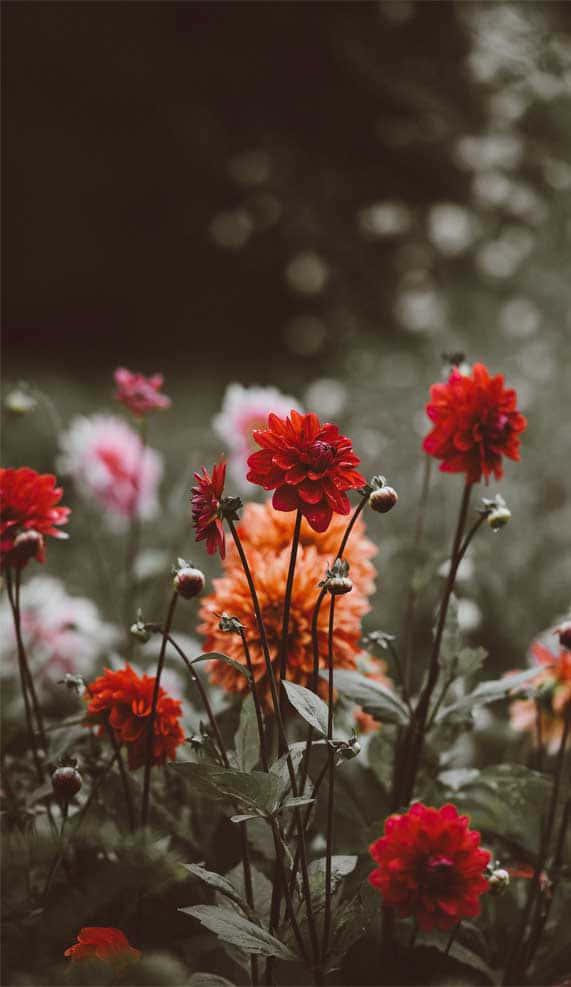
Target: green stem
(151, 723)
(122, 770)
(331, 791)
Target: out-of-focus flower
(110, 464)
(63, 634)
(551, 688)
(564, 634)
(475, 424)
(309, 465)
(430, 866)
(269, 532)
(102, 943)
(127, 698)
(207, 508)
(138, 393)
(232, 595)
(243, 410)
(20, 401)
(375, 669)
(27, 512)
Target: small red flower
(138, 393)
(102, 943)
(475, 424)
(430, 866)
(127, 698)
(309, 465)
(28, 512)
(206, 514)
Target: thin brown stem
(151, 723)
(195, 678)
(257, 705)
(132, 546)
(23, 678)
(287, 605)
(414, 739)
(331, 791)
(122, 770)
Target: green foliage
(308, 705)
(219, 883)
(232, 928)
(218, 656)
(487, 692)
(256, 791)
(247, 741)
(383, 704)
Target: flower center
(322, 455)
(437, 872)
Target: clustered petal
(102, 943)
(27, 512)
(205, 502)
(138, 393)
(310, 467)
(266, 537)
(127, 699)
(552, 687)
(430, 866)
(475, 423)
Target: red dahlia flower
(206, 512)
(127, 698)
(309, 465)
(475, 424)
(430, 866)
(27, 512)
(102, 943)
(138, 393)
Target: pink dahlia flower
(110, 465)
(138, 393)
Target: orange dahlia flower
(127, 699)
(268, 531)
(102, 943)
(475, 423)
(552, 686)
(231, 594)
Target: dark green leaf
(488, 692)
(247, 741)
(383, 704)
(341, 866)
(232, 927)
(308, 705)
(457, 951)
(218, 656)
(293, 803)
(218, 882)
(255, 790)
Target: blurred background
(324, 197)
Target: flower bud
(20, 402)
(27, 545)
(564, 634)
(66, 782)
(498, 518)
(188, 582)
(228, 624)
(383, 499)
(349, 750)
(499, 881)
(337, 579)
(141, 632)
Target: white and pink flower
(243, 410)
(62, 633)
(109, 464)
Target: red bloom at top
(102, 943)
(206, 513)
(475, 424)
(430, 866)
(309, 465)
(27, 512)
(138, 393)
(127, 698)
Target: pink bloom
(138, 393)
(243, 410)
(111, 466)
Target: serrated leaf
(383, 704)
(255, 790)
(218, 882)
(218, 656)
(488, 692)
(233, 928)
(309, 706)
(247, 741)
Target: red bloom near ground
(205, 503)
(430, 866)
(310, 466)
(27, 512)
(102, 943)
(138, 393)
(127, 698)
(475, 424)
